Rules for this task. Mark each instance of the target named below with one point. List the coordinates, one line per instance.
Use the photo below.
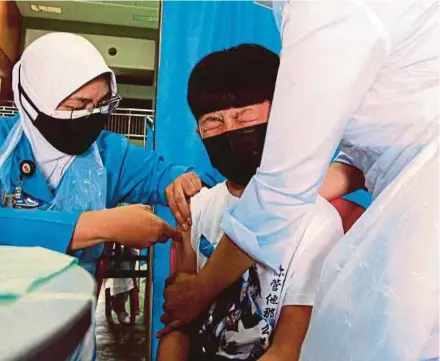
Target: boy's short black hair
(232, 78)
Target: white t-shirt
(250, 313)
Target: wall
(10, 35)
(134, 54)
(136, 91)
(89, 28)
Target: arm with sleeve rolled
(175, 346)
(331, 55)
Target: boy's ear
(198, 131)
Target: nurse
(363, 76)
(61, 175)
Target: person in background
(120, 287)
(363, 76)
(230, 94)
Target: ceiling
(133, 14)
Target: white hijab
(52, 68)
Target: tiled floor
(117, 342)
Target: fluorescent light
(46, 9)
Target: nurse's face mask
(234, 140)
(79, 119)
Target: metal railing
(129, 122)
(7, 109)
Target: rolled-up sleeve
(332, 52)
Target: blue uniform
(134, 175)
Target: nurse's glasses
(103, 107)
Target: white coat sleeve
(331, 53)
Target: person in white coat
(364, 76)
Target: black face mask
(69, 136)
(237, 154)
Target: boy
(264, 315)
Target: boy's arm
(186, 260)
(289, 334)
(175, 345)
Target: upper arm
(186, 257)
(175, 346)
(289, 334)
(186, 260)
(143, 175)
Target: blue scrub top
(134, 175)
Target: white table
(51, 322)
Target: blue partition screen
(190, 30)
